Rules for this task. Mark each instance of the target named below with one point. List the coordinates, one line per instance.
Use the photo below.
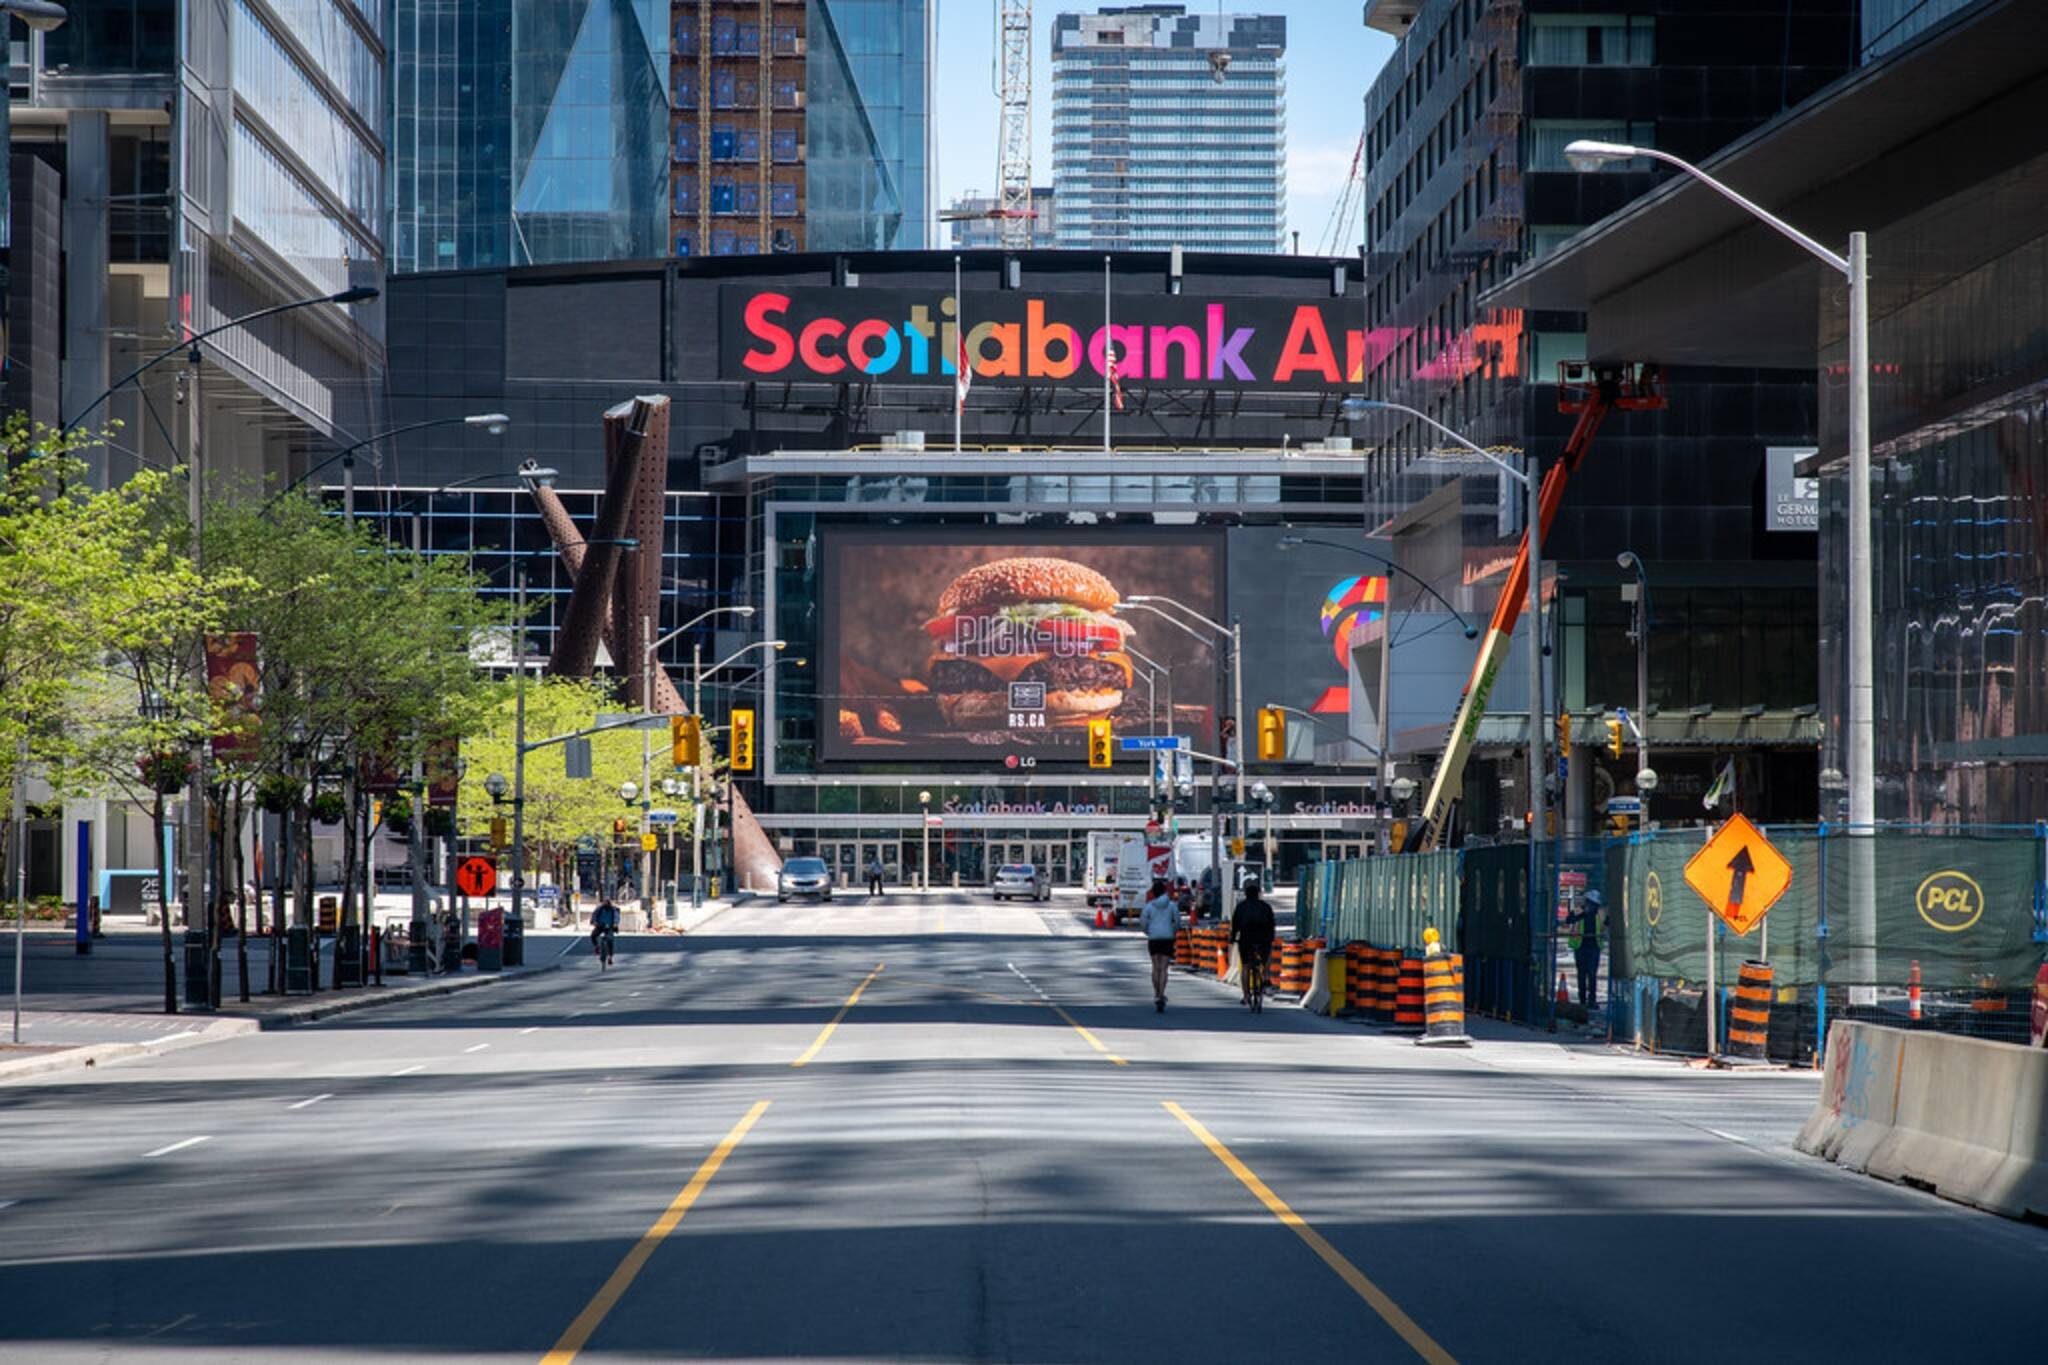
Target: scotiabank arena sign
(906, 336)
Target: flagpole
(959, 353)
(1108, 354)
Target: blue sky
(1331, 59)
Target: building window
(722, 198)
(684, 85)
(724, 90)
(747, 199)
(686, 141)
(786, 40)
(782, 145)
(750, 40)
(685, 44)
(782, 200)
(724, 142)
(747, 146)
(685, 196)
(724, 242)
(1591, 40)
(725, 37)
(685, 243)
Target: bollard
(515, 940)
(298, 960)
(1913, 991)
(1749, 1019)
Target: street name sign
(1739, 874)
(1133, 744)
(661, 817)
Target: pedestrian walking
(1159, 920)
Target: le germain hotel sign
(1015, 338)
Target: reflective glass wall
(868, 103)
(451, 139)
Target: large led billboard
(977, 645)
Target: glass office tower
(527, 134)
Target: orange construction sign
(1739, 874)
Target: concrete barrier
(1964, 1117)
(1316, 999)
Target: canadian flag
(1116, 389)
(963, 375)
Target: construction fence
(1951, 938)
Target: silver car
(804, 877)
(1021, 881)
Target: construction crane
(1344, 216)
(1590, 394)
(1013, 138)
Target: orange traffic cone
(1098, 917)
(1564, 996)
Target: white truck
(1100, 883)
(1137, 863)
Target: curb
(219, 1028)
(92, 1054)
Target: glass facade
(451, 145)
(869, 72)
(1889, 25)
(115, 36)
(1960, 534)
(1170, 129)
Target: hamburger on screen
(1031, 619)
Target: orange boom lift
(1591, 392)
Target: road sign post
(1740, 875)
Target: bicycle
(603, 947)
(1252, 973)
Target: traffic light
(1614, 737)
(1272, 734)
(743, 740)
(1101, 738)
(685, 741)
(618, 827)
(1564, 734)
(499, 837)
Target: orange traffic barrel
(1361, 978)
(1183, 947)
(1443, 1001)
(1297, 965)
(1387, 984)
(1408, 994)
(1986, 996)
(1749, 1019)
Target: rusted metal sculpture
(617, 598)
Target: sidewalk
(83, 1011)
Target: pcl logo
(1951, 901)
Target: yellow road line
(602, 1303)
(819, 1042)
(1093, 1041)
(1390, 1312)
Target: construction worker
(1585, 941)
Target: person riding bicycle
(1252, 929)
(604, 923)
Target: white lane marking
(176, 1147)
(8, 1203)
(1730, 1136)
(632, 992)
(478, 1048)
(408, 1070)
(171, 1037)
(570, 947)
(534, 1029)
(605, 1005)
(575, 1014)
(308, 1104)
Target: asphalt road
(998, 1151)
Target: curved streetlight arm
(694, 622)
(1151, 663)
(1471, 631)
(362, 294)
(471, 482)
(742, 653)
(1586, 155)
(1174, 621)
(487, 420)
(1361, 405)
(1156, 601)
(1314, 719)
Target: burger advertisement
(998, 650)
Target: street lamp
(924, 801)
(492, 423)
(647, 652)
(494, 787)
(1854, 266)
(1646, 776)
(698, 673)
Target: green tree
(559, 809)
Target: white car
(1021, 881)
(804, 877)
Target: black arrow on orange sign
(1741, 865)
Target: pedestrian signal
(685, 741)
(1101, 742)
(1614, 738)
(1564, 734)
(1272, 734)
(743, 740)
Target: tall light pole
(1854, 267)
(647, 654)
(698, 673)
(924, 802)
(1646, 776)
(1355, 408)
(493, 423)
